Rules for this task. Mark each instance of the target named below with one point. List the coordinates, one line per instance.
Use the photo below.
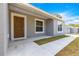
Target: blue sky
(69, 11)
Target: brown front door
(18, 26)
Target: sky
(69, 11)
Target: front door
(18, 26)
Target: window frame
(42, 26)
(60, 23)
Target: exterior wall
(30, 22)
(77, 30)
(31, 27)
(49, 27)
(3, 28)
(73, 31)
(66, 29)
(55, 28)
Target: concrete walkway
(29, 48)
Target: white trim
(60, 31)
(58, 25)
(12, 26)
(43, 25)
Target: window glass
(60, 27)
(39, 26)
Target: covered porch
(30, 48)
(29, 34)
(25, 47)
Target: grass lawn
(46, 40)
(71, 50)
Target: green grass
(46, 40)
(74, 25)
(71, 50)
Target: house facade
(71, 30)
(74, 30)
(22, 21)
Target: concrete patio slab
(29, 48)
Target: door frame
(12, 25)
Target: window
(60, 27)
(39, 24)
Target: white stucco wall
(3, 28)
(71, 30)
(55, 27)
(67, 29)
(75, 30)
